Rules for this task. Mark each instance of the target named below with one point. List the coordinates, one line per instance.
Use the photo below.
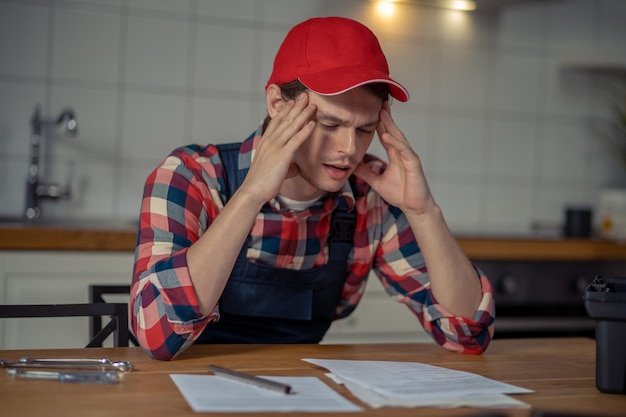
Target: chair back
(118, 313)
(96, 295)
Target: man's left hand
(403, 183)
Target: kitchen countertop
(111, 237)
(121, 237)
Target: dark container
(577, 222)
(605, 302)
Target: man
(271, 241)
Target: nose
(346, 143)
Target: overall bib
(265, 304)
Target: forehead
(355, 106)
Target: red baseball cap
(332, 55)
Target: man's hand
(403, 183)
(273, 159)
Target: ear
(274, 100)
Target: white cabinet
(55, 278)
(377, 319)
(63, 277)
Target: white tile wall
(223, 59)
(460, 146)
(503, 130)
(508, 207)
(462, 78)
(178, 6)
(85, 45)
(12, 183)
(413, 65)
(462, 199)
(222, 108)
(97, 112)
(156, 52)
(611, 31)
(94, 185)
(512, 149)
(232, 9)
(17, 101)
(567, 93)
(24, 40)
(152, 125)
(517, 83)
(574, 30)
(522, 28)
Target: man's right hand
(273, 160)
(211, 258)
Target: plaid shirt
(184, 194)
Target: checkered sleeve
(403, 273)
(179, 198)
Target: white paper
(210, 393)
(411, 384)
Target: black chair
(118, 312)
(96, 295)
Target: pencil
(250, 379)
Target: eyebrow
(322, 115)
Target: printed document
(210, 393)
(412, 384)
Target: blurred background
(506, 106)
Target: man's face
(345, 126)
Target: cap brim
(340, 80)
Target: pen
(97, 377)
(74, 363)
(250, 379)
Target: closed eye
(333, 127)
(331, 122)
(328, 126)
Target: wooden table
(561, 371)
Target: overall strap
(343, 223)
(229, 153)
(342, 227)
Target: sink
(70, 223)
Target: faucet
(35, 189)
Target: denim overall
(265, 304)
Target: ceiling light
(386, 6)
(465, 5)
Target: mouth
(338, 171)
(338, 167)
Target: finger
(299, 137)
(382, 130)
(401, 148)
(288, 138)
(380, 127)
(285, 114)
(391, 145)
(293, 121)
(277, 119)
(296, 107)
(403, 154)
(390, 126)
